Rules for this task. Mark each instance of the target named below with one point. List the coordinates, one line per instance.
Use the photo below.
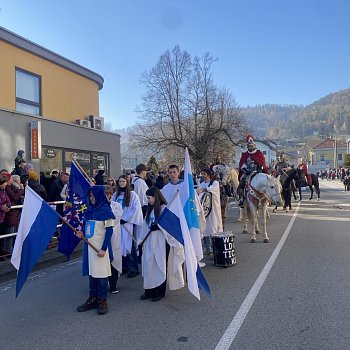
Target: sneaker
(102, 307)
(208, 252)
(133, 274)
(144, 296)
(91, 303)
(202, 264)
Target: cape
(258, 158)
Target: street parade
(174, 175)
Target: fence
(8, 235)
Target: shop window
(81, 157)
(51, 159)
(28, 86)
(100, 162)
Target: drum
(224, 250)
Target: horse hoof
(257, 232)
(317, 199)
(245, 232)
(253, 240)
(290, 208)
(266, 240)
(274, 211)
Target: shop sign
(35, 136)
(50, 153)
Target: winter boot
(91, 303)
(102, 307)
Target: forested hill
(287, 121)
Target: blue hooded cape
(99, 211)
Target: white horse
(261, 190)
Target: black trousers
(113, 279)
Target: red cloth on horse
(303, 167)
(258, 158)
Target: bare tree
(183, 108)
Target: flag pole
(82, 170)
(76, 231)
(129, 233)
(149, 232)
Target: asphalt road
(292, 293)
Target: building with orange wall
(41, 88)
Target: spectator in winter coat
(15, 193)
(34, 184)
(18, 161)
(5, 205)
(100, 177)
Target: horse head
(269, 186)
(220, 171)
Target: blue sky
(269, 51)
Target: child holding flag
(162, 256)
(98, 227)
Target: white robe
(169, 191)
(116, 239)
(214, 221)
(154, 269)
(133, 215)
(140, 188)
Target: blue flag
(37, 225)
(74, 209)
(173, 220)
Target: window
(28, 86)
(340, 156)
(264, 153)
(322, 157)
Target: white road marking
(233, 328)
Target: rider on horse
(251, 160)
(302, 166)
(281, 166)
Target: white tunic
(154, 269)
(214, 221)
(133, 215)
(99, 267)
(116, 239)
(140, 188)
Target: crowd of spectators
(12, 189)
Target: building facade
(49, 107)
(329, 154)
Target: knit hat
(7, 175)
(33, 175)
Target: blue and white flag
(189, 200)
(172, 220)
(36, 227)
(74, 209)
